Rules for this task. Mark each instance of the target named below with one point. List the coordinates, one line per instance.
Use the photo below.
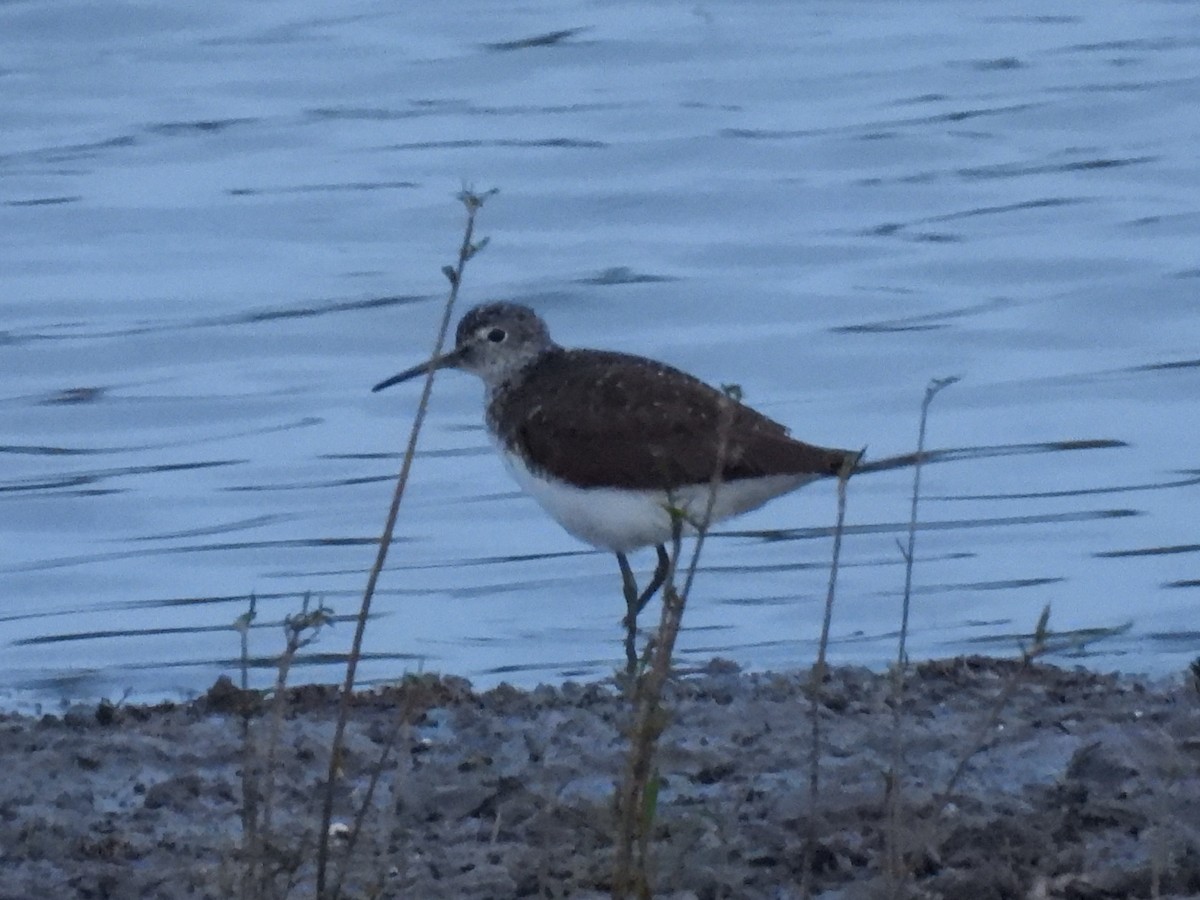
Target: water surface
(220, 225)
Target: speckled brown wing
(602, 419)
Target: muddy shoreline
(1084, 785)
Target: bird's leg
(659, 578)
(633, 605)
(635, 602)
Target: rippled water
(220, 225)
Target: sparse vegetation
(472, 202)
(279, 861)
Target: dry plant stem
(634, 815)
(242, 625)
(250, 781)
(818, 678)
(300, 631)
(894, 851)
(473, 202)
(267, 777)
(400, 726)
(647, 726)
(931, 391)
(1037, 649)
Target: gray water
(220, 225)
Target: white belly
(624, 520)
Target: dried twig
(894, 851)
(637, 795)
(818, 678)
(467, 249)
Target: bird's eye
(496, 335)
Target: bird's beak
(445, 361)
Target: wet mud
(1069, 784)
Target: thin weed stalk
(987, 725)
(401, 726)
(262, 855)
(242, 627)
(1043, 642)
(300, 630)
(467, 249)
(637, 795)
(931, 391)
(638, 792)
(894, 799)
(251, 836)
(818, 679)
